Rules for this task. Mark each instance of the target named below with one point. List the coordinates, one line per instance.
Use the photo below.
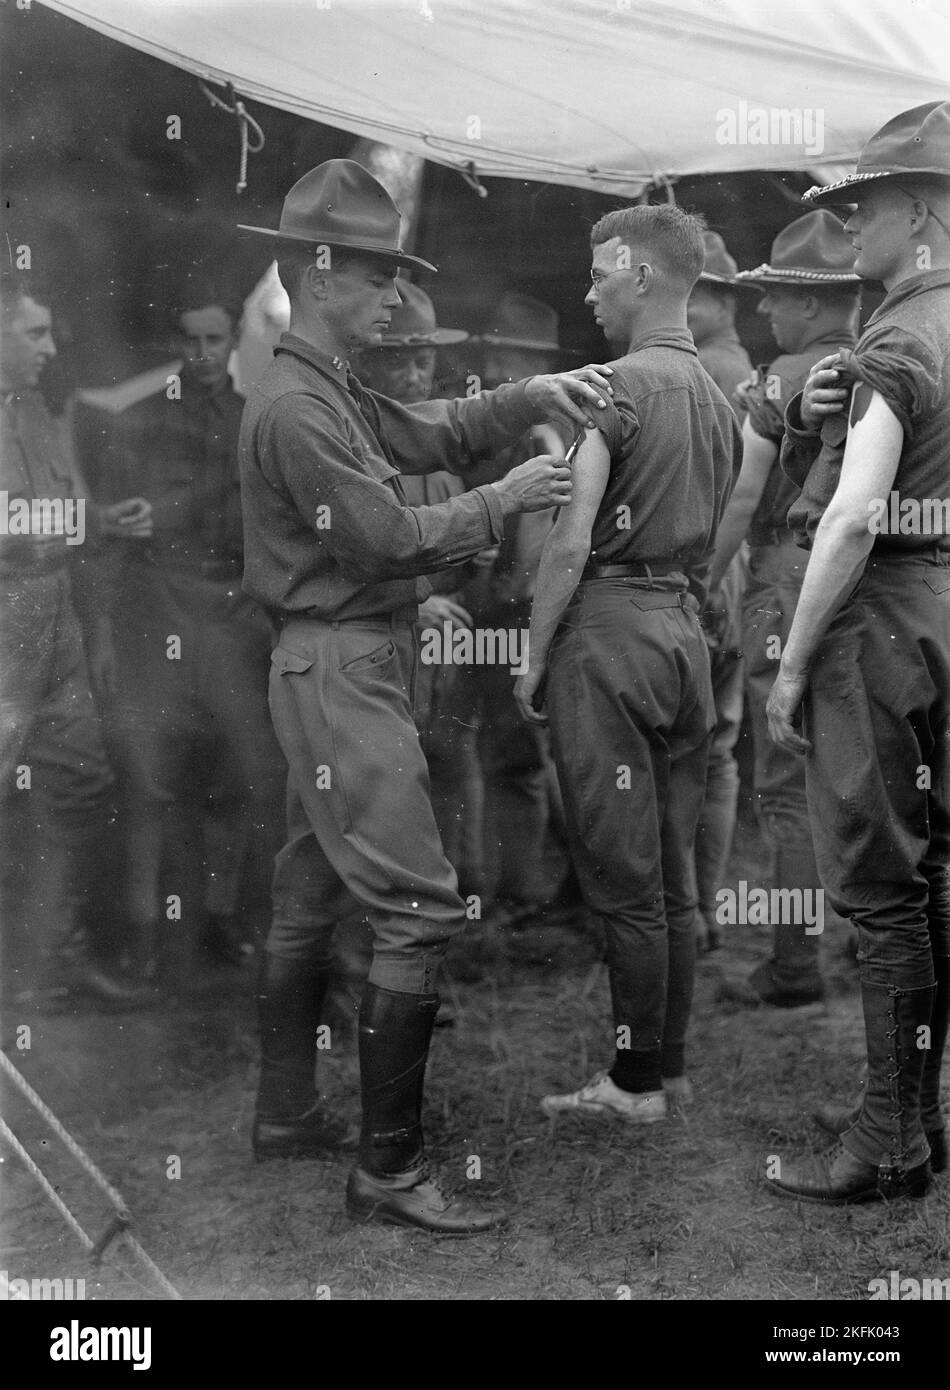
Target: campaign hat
(720, 268)
(915, 143)
(522, 322)
(812, 250)
(413, 324)
(340, 204)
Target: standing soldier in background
(811, 300)
(711, 318)
(403, 368)
(869, 652)
(53, 642)
(515, 756)
(332, 547)
(189, 720)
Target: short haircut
(205, 294)
(932, 188)
(674, 237)
(294, 257)
(17, 285)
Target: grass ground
(676, 1211)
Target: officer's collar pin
(338, 363)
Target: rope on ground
(246, 122)
(45, 1184)
(121, 1218)
(78, 1154)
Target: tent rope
(246, 122)
(121, 1217)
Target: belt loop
(649, 575)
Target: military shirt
(904, 354)
(675, 448)
(773, 387)
(326, 525)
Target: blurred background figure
(189, 722)
(811, 298)
(55, 780)
(520, 783)
(711, 317)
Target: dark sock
(637, 1071)
(673, 1060)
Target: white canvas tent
(600, 94)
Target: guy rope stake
(121, 1216)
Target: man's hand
(783, 710)
(541, 482)
(822, 395)
(526, 688)
(575, 397)
(130, 517)
(439, 608)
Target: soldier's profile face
(785, 311)
(26, 344)
(361, 295)
(205, 339)
(878, 227)
(612, 294)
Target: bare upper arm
(871, 455)
(591, 471)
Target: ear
(811, 306)
(316, 281)
(919, 215)
(646, 277)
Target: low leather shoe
(414, 1199)
(839, 1178)
(311, 1135)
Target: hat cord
(235, 107)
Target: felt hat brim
(387, 253)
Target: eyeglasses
(596, 276)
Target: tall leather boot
(883, 1155)
(392, 1182)
(73, 971)
(288, 1122)
(792, 977)
(931, 1115)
